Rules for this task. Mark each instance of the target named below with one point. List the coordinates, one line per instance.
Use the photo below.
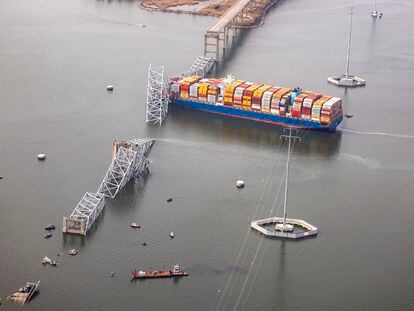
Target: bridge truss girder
(158, 95)
(128, 163)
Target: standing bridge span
(220, 31)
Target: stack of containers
(229, 91)
(238, 94)
(331, 110)
(194, 90)
(267, 96)
(257, 97)
(317, 106)
(275, 103)
(297, 104)
(175, 89)
(213, 91)
(247, 96)
(185, 86)
(307, 105)
(202, 91)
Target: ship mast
(349, 46)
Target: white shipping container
(211, 98)
(194, 90)
(274, 111)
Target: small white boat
(135, 225)
(73, 252)
(41, 156)
(172, 235)
(109, 87)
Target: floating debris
(1, 177)
(109, 87)
(135, 226)
(41, 156)
(73, 252)
(48, 235)
(169, 200)
(50, 227)
(49, 261)
(240, 184)
(349, 115)
(25, 292)
(112, 274)
(144, 244)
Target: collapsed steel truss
(128, 163)
(201, 66)
(158, 95)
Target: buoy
(109, 87)
(41, 156)
(240, 184)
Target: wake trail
(378, 133)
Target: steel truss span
(129, 161)
(158, 95)
(201, 66)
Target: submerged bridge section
(219, 32)
(129, 160)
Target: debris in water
(48, 235)
(169, 200)
(50, 227)
(110, 88)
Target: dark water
(356, 185)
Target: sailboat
(375, 12)
(347, 79)
(284, 227)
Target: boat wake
(377, 133)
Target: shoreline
(257, 16)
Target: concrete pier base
(346, 81)
(301, 228)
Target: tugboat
(25, 292)
(175, 272)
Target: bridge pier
(220, 30)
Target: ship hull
(255, 116)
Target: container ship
(258, 102)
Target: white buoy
(109, 87)
(240, 184)
(41, 156)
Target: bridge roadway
(220, 30)
(230, 15)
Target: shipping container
(267, 97)
(194, 90)
(296, 110)
(275, 101)
(331, 110)
(257, 97)
(284, 104)
(316, 108)
(229, 92)
(307, 105)
(247, 95)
